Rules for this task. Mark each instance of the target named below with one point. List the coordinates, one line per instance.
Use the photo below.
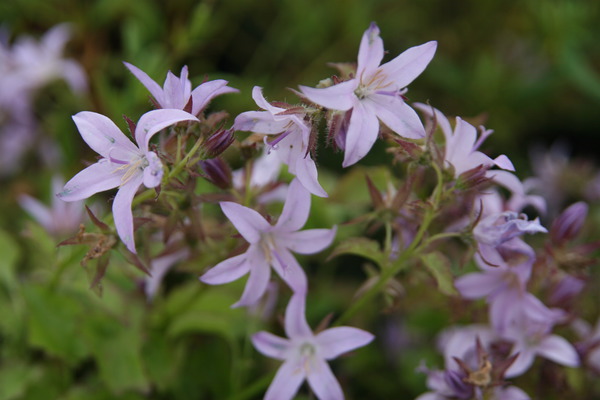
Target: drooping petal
(410, 64)
(260, 273)
(103, 136)
(207, 91)
(249, 223)
(323, 382)
(370, 52)
(295, 318)
(362, 134)
(337, 97)
(154, 121)
(559, 350)
(287, 381)
(153, 173)
(226, 271)
(286, 266)
(259, 122)
(296, 208)
(334, 342)
(270, 345)
(122, 210)
(397, 115)
(98, 177)
(309, 241)
(306, 172)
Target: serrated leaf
(363, 247)
(439, 267)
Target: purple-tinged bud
(565, 291)
(217, 172)
(568, 224)
(338, 123)
(218, 142)
(475, 178)
(455, 381)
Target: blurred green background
(530, 69)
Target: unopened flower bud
(569, 223)
(218, 142)
(217, 172)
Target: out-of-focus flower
(123, 164)
(159, 266)
(496, 229)
(177, 92)
(264, 172)
(292, 145)
(568, 224)
(305, 354)
(270, 245)
(60, 218)
(375, 93)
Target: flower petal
(336, 341)
(260, 101)
(296, 208)
(559, 350)
(153, 172)
(98, 177)
(103, 136)
(207, 91)
(476, 285)
(37, 210)
(226, 271)
(397, 115)
(306, 172)
(153, 87)
(309, 241)
(154, 121)
(259, 122)
(287, 381)
(337, 97)
(295, 318)
(410, 64)
(270, 345)
(286, 266)
(362, 134)
(122, 210)
(370, 52)
(323, 382)
(249, 223)
(521, 364)
(260, 273)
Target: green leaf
(15, 377)
(439, 267)
(10, 253)
(363, 247)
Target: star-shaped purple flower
(123, 164)
(305, 354)
(176, 92)
(376, 93)
(270, 245)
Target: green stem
(183, 163)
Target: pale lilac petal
(226, 271)
(154, 121)
(362, 134)
(510, 393)
(287, 381)
(260, 101)
(270, 345)
(521, 364)
(207, 91)
(98, 177)
(158, 268)
(463, 141)
(559, 350)
(477, 285)
(175, 94)
(259, 122)
(334, 342)
(153, 173)
(504, 162)
(295, 318)
(503, 309)
(74, 75)
(103, 136)
(260, 273)
(437, 117)
(249, 223)
(286, 266)
(410, 64)
(296, 208)
(309, 241)
(337, 97)
(153, 87)
(323, 382)
(397, 115)
(306, 172)
(431, 396)
(122, 210)
(370, 52)
(37, 210)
